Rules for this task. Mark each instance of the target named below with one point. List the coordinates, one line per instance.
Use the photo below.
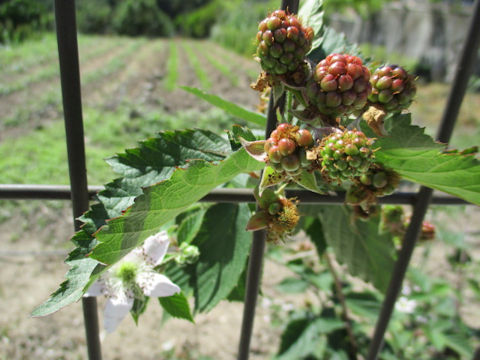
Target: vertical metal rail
(72, 108)
(450, 114)
(254, 272)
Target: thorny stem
(353, 350)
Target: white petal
(116, 309)
(157, 285)
(135, 256)
(95, 289)
(155, 247)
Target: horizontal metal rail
(62, 192)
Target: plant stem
(353, 350)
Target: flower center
(127, 272)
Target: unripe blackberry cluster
(282, 43)
(379, 181)
(393, 88)
(375, 183)
(286, 149)
(340, 85)
(346, 154)
(277, 214)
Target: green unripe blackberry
(346, 155)
(374, 183)
(282, 43)
(340, 85)
(392, 88)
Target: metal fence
(80, 193)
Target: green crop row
(221, 66)
(52, 70)
(200, 72)
(172, 67)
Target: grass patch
(231, 58)
(201, 74)
(172, 67)
(41, 158)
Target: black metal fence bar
(254, 272)
(457, 92)
(72, 108)
(255, 262)
(63, 192)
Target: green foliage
(362, 7)
(71, 290)
(176, 148)
(201, 73)
(228, 106)
(416, 157)
(359, 244)
(162, 202)
(94, 16)
(304, 337)
(198, 23)
(20, 19)
(177, 306)
(425, 324)
(172, 67)
(141, 17)
(224, 247)
(238, 23)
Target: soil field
(131, 89)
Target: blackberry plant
(339, 131)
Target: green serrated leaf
(416, 157)
(328, 41)
(292, 285)
(71, 290)
(190, 226)
(238, 132)
(308, 181)
(228, 106)
(153, 161)
(177, 306)
(460, 344)
(314, 229)
(303, 337)
(162, 202)
(224, 247)
(269, 178)
(364, 304)
(238, 292)
(358, 244)
(311, 13)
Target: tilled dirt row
(42, 100)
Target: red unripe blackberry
(286, 149)
(286, 146)
(392, 88)
(340, 85)
(282, 43)
(274, 155)
(304, 138)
